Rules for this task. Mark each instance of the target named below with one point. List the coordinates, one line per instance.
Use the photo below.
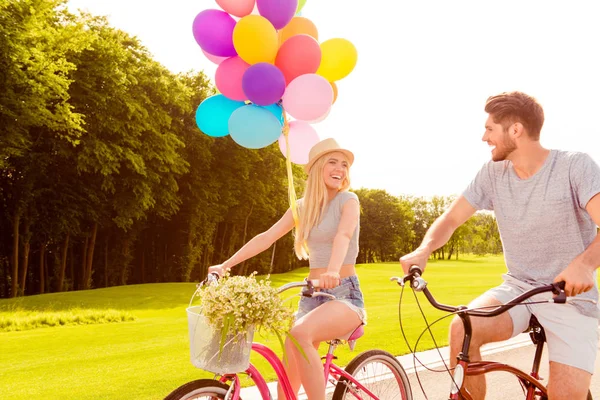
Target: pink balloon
(298, 55)
(302, 138)
(321, 118)
(308, 97)
(239, 8)
(215, 59)
(228, 78)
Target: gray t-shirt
(320, 238)
(542, 220)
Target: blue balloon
(277, 111)
(254, 127)
(212, 115)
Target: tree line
(106, 180)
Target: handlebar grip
(315, 283)
(560, 285)
(213, 276)
(415, 270)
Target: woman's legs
(291, 369)
(332, 320)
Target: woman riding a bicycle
(327, 235)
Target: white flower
(241, 302)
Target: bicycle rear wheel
(199, 389)
(379, 372)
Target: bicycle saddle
(353, 336)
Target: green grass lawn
(131, 342)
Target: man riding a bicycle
(547, 210)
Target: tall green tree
(35, 38)
(386, 223)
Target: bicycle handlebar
(418, 284)
(309, 285)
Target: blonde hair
(313, 204)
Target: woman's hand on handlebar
(329, 280)
(217, 269)
(418, 257)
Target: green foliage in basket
(238, 303)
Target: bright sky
(412, 109)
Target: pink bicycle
(373, 374)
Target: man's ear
(517, 130)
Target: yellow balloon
(255, 39)
(338, 59)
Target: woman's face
(335, 170)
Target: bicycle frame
(464, 366)
(329, 369)
(530, 381)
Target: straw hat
(323, 147)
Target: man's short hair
(510, 107)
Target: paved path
(518, 352)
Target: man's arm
(439, 233)
(579, 275)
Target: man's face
(500, 142)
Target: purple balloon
(213, 31)
(263, 84)
(278, 12)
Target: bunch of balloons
(270, 65)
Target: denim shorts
(348, 292)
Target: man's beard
(506, 148)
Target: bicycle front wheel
(200, 389)
(379, 372)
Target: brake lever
(399, 281)
(309, 290)
(559, 291)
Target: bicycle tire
(368, 358)
(209, 388)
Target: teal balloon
(254, 127)
(212, 115)
(277, 111)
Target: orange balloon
(335, 91)
(298, 26)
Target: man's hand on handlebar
(418, 257)
(578, 277)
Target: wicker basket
(205, 344)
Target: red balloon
(298, 55)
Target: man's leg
(572, 340)
(485, 330)
(568, 383)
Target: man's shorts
(571, 336)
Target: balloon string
(290, 175)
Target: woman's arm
(341, 241)
(258, 243)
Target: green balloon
(301, 4)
